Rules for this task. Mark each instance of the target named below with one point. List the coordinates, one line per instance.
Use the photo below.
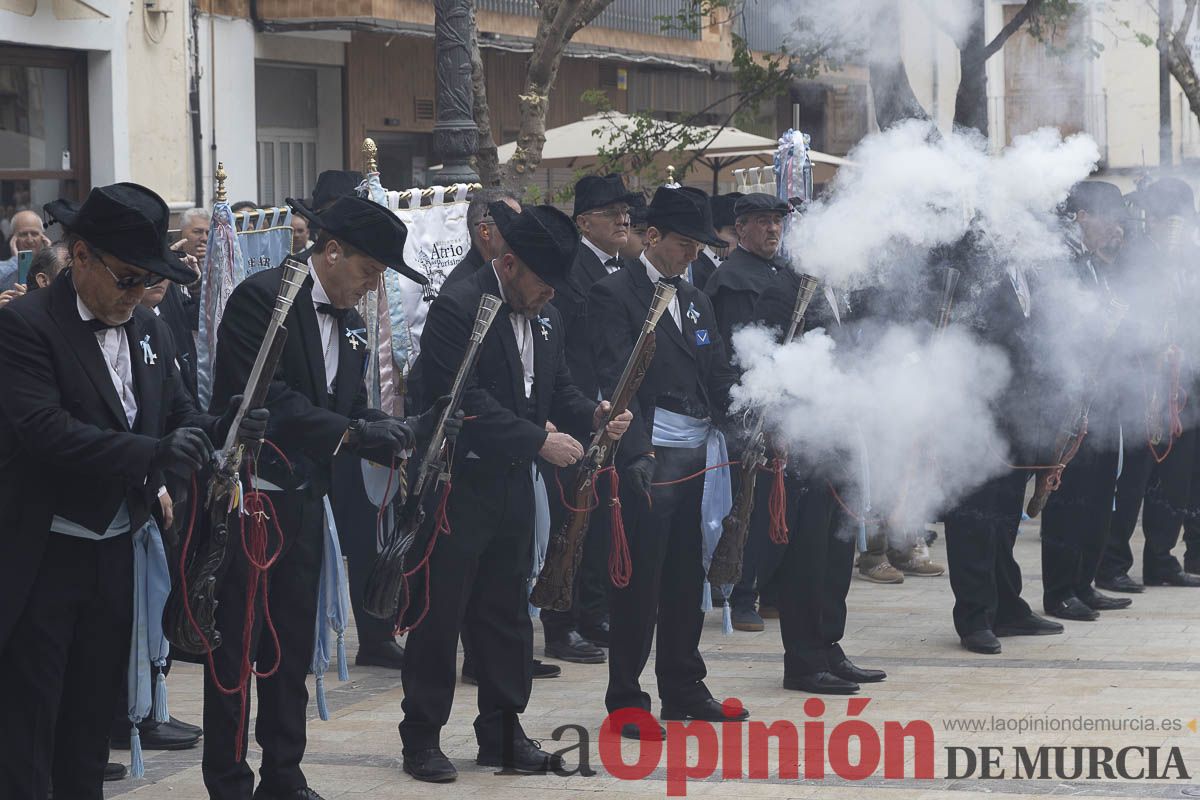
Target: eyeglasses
(612, 212)
(130, 281)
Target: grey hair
(480, 201)
(186, 216)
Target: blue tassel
(161, 714)
(322, 709)
(137, 767)
(727, 619)
(343, 666)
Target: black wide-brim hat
(332, 184)
(543, 237)
(722, 209)
(367, 227)
(128, 222)
(594, 191)
(1166, 197)
(684, 211)
(1098, 197)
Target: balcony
(1011, 115)
(635, 16)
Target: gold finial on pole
(369, 151)
(221, 176)
(670, 174)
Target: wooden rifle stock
(389, 573)
(555, 585)
(726, 565)
(196, 633)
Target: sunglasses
(146, 281)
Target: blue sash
(678, 430)
(147, 645)
(333, 610)
(541, 530)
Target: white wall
(227, 72)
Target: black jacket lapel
(310, 335)
(543, 361)
(667, 329)
(85, 347)
(350, 362)
(147, 377)
(503, 328)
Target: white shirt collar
(318, 291)
(600, 254)
(499, 282)
(712, 254)
(86, 314)
(653, 274)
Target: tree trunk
(1179, 60)
(893, 94)
(487, 161)
(970, 104)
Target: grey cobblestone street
(1134, 665)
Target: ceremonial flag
(224, 268)
(265, 237)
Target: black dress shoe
(654, 733)
(114, 772)
(709, 710)
(527, 756)
(1192, 565)
(388, 654)
(1172, 579)
(597, 634)
(848, 672)
(543, 670)
(1102, 602)
(1121, 583)
(820, 683)
(157, 736)
(576, 649)
(303, 793)
(1033, 625)
(185, 726)
(430, 766)
(983, 642)
(1073, 609)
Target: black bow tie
(673, 281)
(98, 325)
(613, 262)
(338, 314)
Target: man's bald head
(27, 232)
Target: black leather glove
(253, 426)
(454, 424)
(385, 434)
(424, 424)
(182, 452)
(640, 473)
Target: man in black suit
(486, 242)
(479, 574)
(318, 402)
(725, 224)
(685, 391)
(602, 214)
(94, 413)
(1078, 516)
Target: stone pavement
(1121, 676)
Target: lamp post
(455, 134)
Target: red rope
(1176, 400)
(620, 563)
(441, 527)
(777, 504)
(694, 475)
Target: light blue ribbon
(333, 610)
(678, 430)
(541, 530)
(147, 645)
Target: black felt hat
(638, 210)
(684, 211)
(127, 221)
(722, 209)
(760, 202)
(332, 184)
(1166, 197)
(543, 237)
(365, 226)
(1097, 197)
(593, 191)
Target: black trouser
(980, 534)
(279, 726)
(1136, 469)
(1171, 496)
(479, 583)
(1077, 519)
(812, 582)
(589, 606)
(61, 667)
(761, 556)
(665, 589)
(356, 517)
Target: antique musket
(196, 591)
(726, 566)
(389, 574)
(555, 584)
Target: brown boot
(916, 562)
(876, 569)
